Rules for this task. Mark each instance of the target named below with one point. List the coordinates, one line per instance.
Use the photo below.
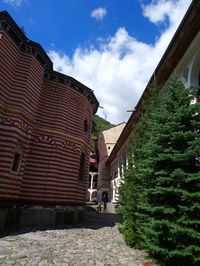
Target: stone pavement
(97, 242)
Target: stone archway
(94, 196)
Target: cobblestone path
(98, 242)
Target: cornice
(29, 119)
(62, 135)
(17, 112)
(8, 25)
(74, 85)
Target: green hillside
(100, 124)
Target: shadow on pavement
(94, 221)
(97, 220)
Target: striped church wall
(8, 61)
(50, 123)
(64, 110)
(52, 171)
(14, 133)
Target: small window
(16, 162)
(109, 147)
(85, 125)
(82, 167)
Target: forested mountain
(100, 124)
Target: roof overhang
(185, 34)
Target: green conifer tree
(171, 173)
(132, 184)
(165, 209)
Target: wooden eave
(186, 32)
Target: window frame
(16, 161)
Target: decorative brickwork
(42, 133)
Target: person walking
(99, 199)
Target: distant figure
(105, 201)
(99, 199)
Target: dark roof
(186, 32)
(8, 24)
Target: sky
(111, 46)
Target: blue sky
(112, 46)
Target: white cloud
(160, 10)
(13, 2)
(99, 13)
(120, 68)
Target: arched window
(16, 160)
(82, 167)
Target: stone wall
(16, 218)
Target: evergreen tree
(132, 184)
(172, 174)
(166, 177)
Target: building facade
(45, 126)
(93, 179)
(107, 140)
(116, 171)
(181, 58)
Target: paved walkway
(98, 242)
